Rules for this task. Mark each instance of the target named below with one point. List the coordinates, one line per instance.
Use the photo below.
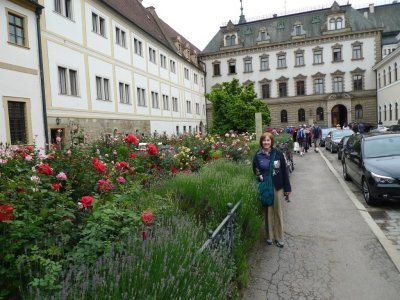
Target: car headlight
(382, 179)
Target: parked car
(394, 128)
(325, 132)
(342, 142)
(372, 161)
(333, 138)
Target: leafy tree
(234, 106)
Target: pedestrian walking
(317, 135)
(301, 139)
(270, 167)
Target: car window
(382, 147)
(342, 133)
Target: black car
(340, 146)
(394, 128)
(325, 132)
(372, 161)
(333, 138)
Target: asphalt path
(333, 248)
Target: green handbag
(265, 188)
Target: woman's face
(266, 143)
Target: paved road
(330, 251)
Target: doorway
(339, 115)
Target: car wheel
(345, 174)
(367, 195)
(338, 155)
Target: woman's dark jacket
(281, 175)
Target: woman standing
(262, 164)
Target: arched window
(390, 75)
(302, 115)
(230, 40)
(283, 116)
(396, 111)
(359, 111)
(379, 80)
(332, 23)
(390, 112)
(395, 71)
(384, 77)
(384, 112)
(380, 114)
(233, 40)
(339, 23)
(320, 114)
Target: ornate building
(314, 66)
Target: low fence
(222, 239)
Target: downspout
(38, 12)
(205, 89)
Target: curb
(392, 252)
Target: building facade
(314, 66)
(114, 67)
(21, 110)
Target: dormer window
(297, 29)
(263, 35)
(230, 40)
(339, 23)
(336, 23)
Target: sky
(199, 20)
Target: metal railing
(222, 239)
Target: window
(300, 90)
(281, 61)
(390, 112)
(318, 57)
(102, 88)
(380, 114)
(195, 80)
(384, 77)
(357, 52)
(265, 88)
(232, 67)
(98, 24)
(248, 66)
(332, 24)
(358, 112)
(188, 106)
(174, 104)
(390, 74)
(337, 54)
(63, 7)
(16, 30)
(395, 72)
(263, 35)
(299, 59)
(202, 81)
(230, 40)
(124, 93)
(379, 80)
(335, 23)
(396, 111)
(17, 122)
(319, 86)
(282, 89)
(154, 100)
(120, 37)
(141, 97)
(301, 115)
(198, 108)
(320, 114)
(186, 71)
(216, 68)
(163, 61)
(339, 23)
(152, 55)
(165, 100)
(284, 116)
(357, 82)
(338, 84)
(384, 111)
(297, 29)
(138, 47)
(264, 63)
(68, 81)
(172, 66)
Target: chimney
(371, 8)
(275, 15)
(151, 9)
(366, 14)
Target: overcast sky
(199, 20)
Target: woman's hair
(265, 135)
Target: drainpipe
(38, 12)
(205, 88)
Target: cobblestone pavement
(387, 215)
(330, 251)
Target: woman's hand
(261, 178)
(286, 193)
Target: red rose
(174, 170)
(56, 186)
(132, 139)
(29, 148)
(87, 201)
(44, 169)
(152, 166)
(132, 155)
(201, 152)
(152, 149)
(6, 213)
(104, 186)
(122, 166)
(98, 165)
(147, 217)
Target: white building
(113, 67)
(21, 113)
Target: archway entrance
(339, 115)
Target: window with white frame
(138, 46)
(336, 23)
(188, 106)
(120, 37)
(338, 84)
(163, 61)
(154, 100)
(230, 40)
(63, 7)
(152, 55)
(337, 54)
(299, 58)
(319, 85)
(103, 88)
(174, 104)
(17, 30)
(357, 82)
(281, 61)
(248, 67)
(165, 102)
(172, 66)
(124, 93)
(98, 24)
(141, 96)
(265, 91)
(357, 51)
(197, 108)
(282, 89)
(186, 71)
(232, 66)
(264, 63)
(68, 81)
(318, 59)
(195, 80)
